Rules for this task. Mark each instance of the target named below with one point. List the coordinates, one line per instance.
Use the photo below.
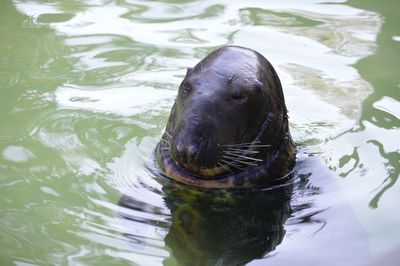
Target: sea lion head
(229, 115)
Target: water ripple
(89, 87)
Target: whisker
(166, 133)
(245, 157)
(261, 145)
(232, 164)
(239, 144)
(243, 146)
(224, 166)
(239, 151)
(238, 161)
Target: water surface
(85, 92)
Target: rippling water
(86, 89)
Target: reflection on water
(382, 107)
(277, 225)
(219, 227)
(85, 91)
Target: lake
(86, 90)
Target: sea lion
(228, 127)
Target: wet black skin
(216, 106)
(233, 96)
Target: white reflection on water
(388, 105)
(17, 154)
(121, 101)
(342, 36)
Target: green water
(85, 92)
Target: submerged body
(228, 127)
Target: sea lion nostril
(194, 153)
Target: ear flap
(189, 71)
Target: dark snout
(194, 141)
(193, 144)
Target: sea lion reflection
(211, 227)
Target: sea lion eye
(186, 88)
(238, 97)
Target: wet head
(229, 119)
